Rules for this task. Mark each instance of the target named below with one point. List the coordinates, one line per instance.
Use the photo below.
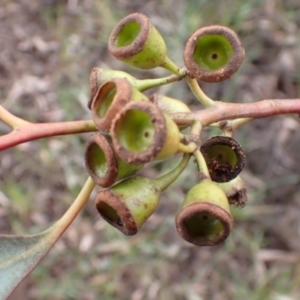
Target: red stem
(34, 131)
(221, 111)
(227, 111)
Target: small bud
(235, 191)
(213, 53)
(170, 105)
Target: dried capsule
(225, 158)
(235, 191)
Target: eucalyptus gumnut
(225, 158)
(110, 98)
(142, 133)
(128, 204)
(213, 53)
(235, 191)
(136, 41)
(102, 163)
(99, 76)
(204, 218)
(170, 105)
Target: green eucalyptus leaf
(20, 254)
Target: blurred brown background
(47, 51)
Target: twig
(228, 111)
(11, 120)
(33, 131)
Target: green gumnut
(213, 53)
(235, 191)
(103, 165)
(205, 218)
(136, 41)
(172, 142)
(170, 105)
(110, 98)
(99, 76)
(128, 204)
(225, 158)
(142, 133)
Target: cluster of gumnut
(135, 129)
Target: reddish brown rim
(138, 44)
(112, 169)
(189, 211)
(122, 97)
(124, 220)
(159, 122)
(223, 73)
